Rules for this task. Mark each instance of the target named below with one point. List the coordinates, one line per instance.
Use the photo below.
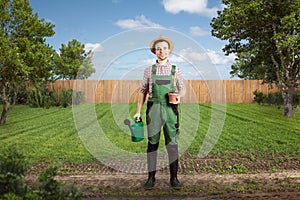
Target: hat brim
(161, 38)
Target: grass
(51, 135)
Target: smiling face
(162, 50)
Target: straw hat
(158, 39)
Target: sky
(119, 33)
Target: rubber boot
(173, 164)
(151, 180)
(151, 162)
(173, 172)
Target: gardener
(160, 79)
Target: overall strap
(153, 69)
(173, 70)
(173, 76)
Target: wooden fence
(198, 91)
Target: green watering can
(136, 129)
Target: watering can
(136, 129)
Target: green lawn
(50, 135)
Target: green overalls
(159, 112)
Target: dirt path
(209, 178)
(281, 185)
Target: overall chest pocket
(162, 82)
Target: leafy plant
(12, 186)
(50, 189)
(12, 169)
(274, 98)
(259, 97)
(65, 98)
(41, 97)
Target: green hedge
(274, 98)
(39, 97)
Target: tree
(73, 62)
(265, 36)
(24, 52)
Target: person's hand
(137, 116)
(178, 100)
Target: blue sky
(120, 31)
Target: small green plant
(252, 157)
(239, 168)
(50, 189)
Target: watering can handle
(138, 119)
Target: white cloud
(177, 59)
(197, 31)
(94, 47)
(139, 22)
(190, 6)
(192, 55)
(218, 58)
(146, 62)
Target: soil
(213, 177)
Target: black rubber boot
(150, 182)
(151, 164)
(173, 164)
(173, 172)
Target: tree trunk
(6, 104)
(288, 102)
(4, 112)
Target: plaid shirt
(161, 70)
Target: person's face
(162, 50)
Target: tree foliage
(73, 62)
(24, 52)
(265, 36)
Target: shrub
(274, 98)
(77, 97)
(22, 97)
(296, 98)
(259, 97)
(41, 97)
(12, 169)
(66, 98)
(50, 189)
(12, 186)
